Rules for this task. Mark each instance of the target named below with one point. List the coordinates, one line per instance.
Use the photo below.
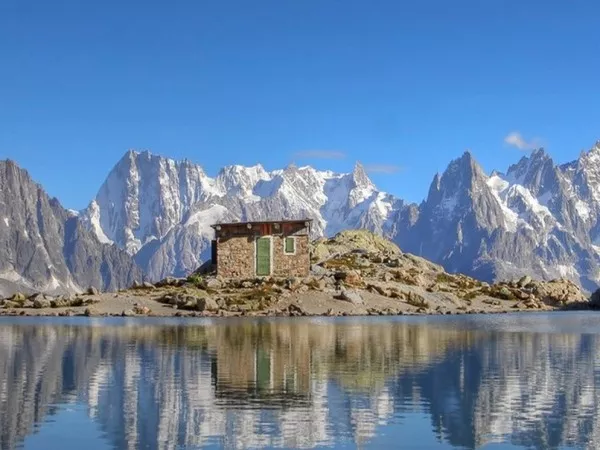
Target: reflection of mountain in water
(301, 383)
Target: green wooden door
(263, 256)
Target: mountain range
(151, 218)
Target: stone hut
(273, 248)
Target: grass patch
(444, 278)
(196, 280)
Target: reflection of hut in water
(261, 374)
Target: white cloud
(320, 154)
(516, 139)
(383, 168)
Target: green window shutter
(290, 245)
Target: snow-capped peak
(148, 201)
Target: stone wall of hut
(236, 252)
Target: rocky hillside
(46, 248)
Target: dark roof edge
(256, 222)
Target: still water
(497, 382)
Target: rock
(59, 303)
(295, 310)
(207, 304)
(135, 284)
(505, 293)
(8, 304)
(148, 285)
(168, 281)
(387, 277)
(128, 313)
(277, 289)
(247, 284)
(141, 310)
(524, 281)
(433, 288)
(351, 296)
(352, 277)
(491, 301)
(92, 291)
(40, 302)
(377, 258)
(521, 295)
(213, 283)
(319, 270)
(90, 312)
(18, 297)
(379, 290)
(27, 304)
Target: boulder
(387, 277)
(128, 313)
(524, 281)
(40, 302)
(168, 281)
(207, 304)
(351, 296)
(59, 303)
(352, 277)
(90, 312)
(18, 297)
(11, 304)
(293, 283)
(319, 270)
(559, 293)
(141, 310)
(213, 283)
(148, 285)
(92, 291)
(295, 310)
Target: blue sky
(394, 84)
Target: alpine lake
(502, 381)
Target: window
(290, 245)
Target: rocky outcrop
(356, 278)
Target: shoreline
(308, 304)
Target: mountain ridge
(46, 248)
(537, 218)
